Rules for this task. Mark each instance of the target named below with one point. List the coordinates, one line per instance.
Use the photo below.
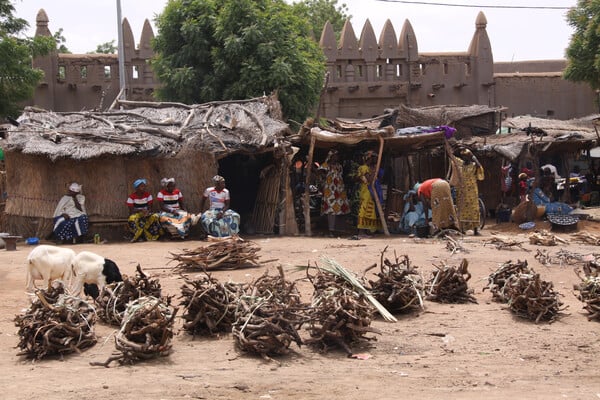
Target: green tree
(583, 53)
(18, 78)
(60, 42)
(318, 12)
(106, 48)
(209, 50)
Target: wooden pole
(309, 162)
(374, 191)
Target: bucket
(423, 231)
(503, 215)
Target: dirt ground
(460, 351)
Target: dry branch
(504, 243)
(449, 284)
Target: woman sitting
(551, 207)
(219, 220)
(141, 220)
(173, 218)
(70, 218)
(414, 213)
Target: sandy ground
(464, 351)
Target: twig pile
(498, 279)
(233, 253)
(339, 314)
(146, 331)
(567, 257)
(503, 243)
(55, 324)
(543, 257)
(400, 286)
(587, 238)
(449, 284)
(453, 245)
(528, 296)
(209, 305)
(589, 290)
(545, 238)
(269, 318)
(115, 297)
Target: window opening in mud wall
(136, 72)
(83, 72)
(62, 72)
(107, 72)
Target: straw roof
(441, 115)
(545, 135)
(151, 129)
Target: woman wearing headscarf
(469, 171)
(368, 219)
(173, 218)
(219, 220)
(335, 200)
(70, 218)
(142, 222)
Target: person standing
(335, 200)
(142, 222)
(368, 219)
(70, 217)
(467, 193)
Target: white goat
(93, 269)
(48, 263)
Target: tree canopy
(106, 48)
(18, 78)
(318, 12)
(209, 50)
(583, 53)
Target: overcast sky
(515, 34)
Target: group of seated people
(71, 221)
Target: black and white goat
(48, 263)
(92, 272)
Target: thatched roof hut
(107, 151)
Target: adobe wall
(75, 82)
(365, 76)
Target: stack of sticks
(233, 253)
(589, 289)
(502, 243)
(400, 286)
(55, 324)
(449, 284)
(528, 296)
(497, 279)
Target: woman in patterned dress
(142, 222)
(368, 219)
(467, 193)
(219, 220)
(335, 200)
(173, 217)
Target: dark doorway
(242, 177)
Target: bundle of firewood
(589, 289)
(400, 286)
(232, 253)
(497, 279)
(55, 324)
(209, 305)
(339, 315)
(545, 238)
(528, 296)
(115, 297)
(502, 243)
(449, 284)
(586, 237)
(269, 318)
(146, 331)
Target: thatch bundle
(56, 324)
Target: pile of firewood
(561, 257)
(269, 317)
(209, 305)
(589, 290)
(399, 287)
(339, 315)
(528, 296)
(586, 237)
(146, 331)
(233, 253)
(55, 324)
(545, 238)
(502, 243)
(497, 280)
(115, 297)
(449, 284)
